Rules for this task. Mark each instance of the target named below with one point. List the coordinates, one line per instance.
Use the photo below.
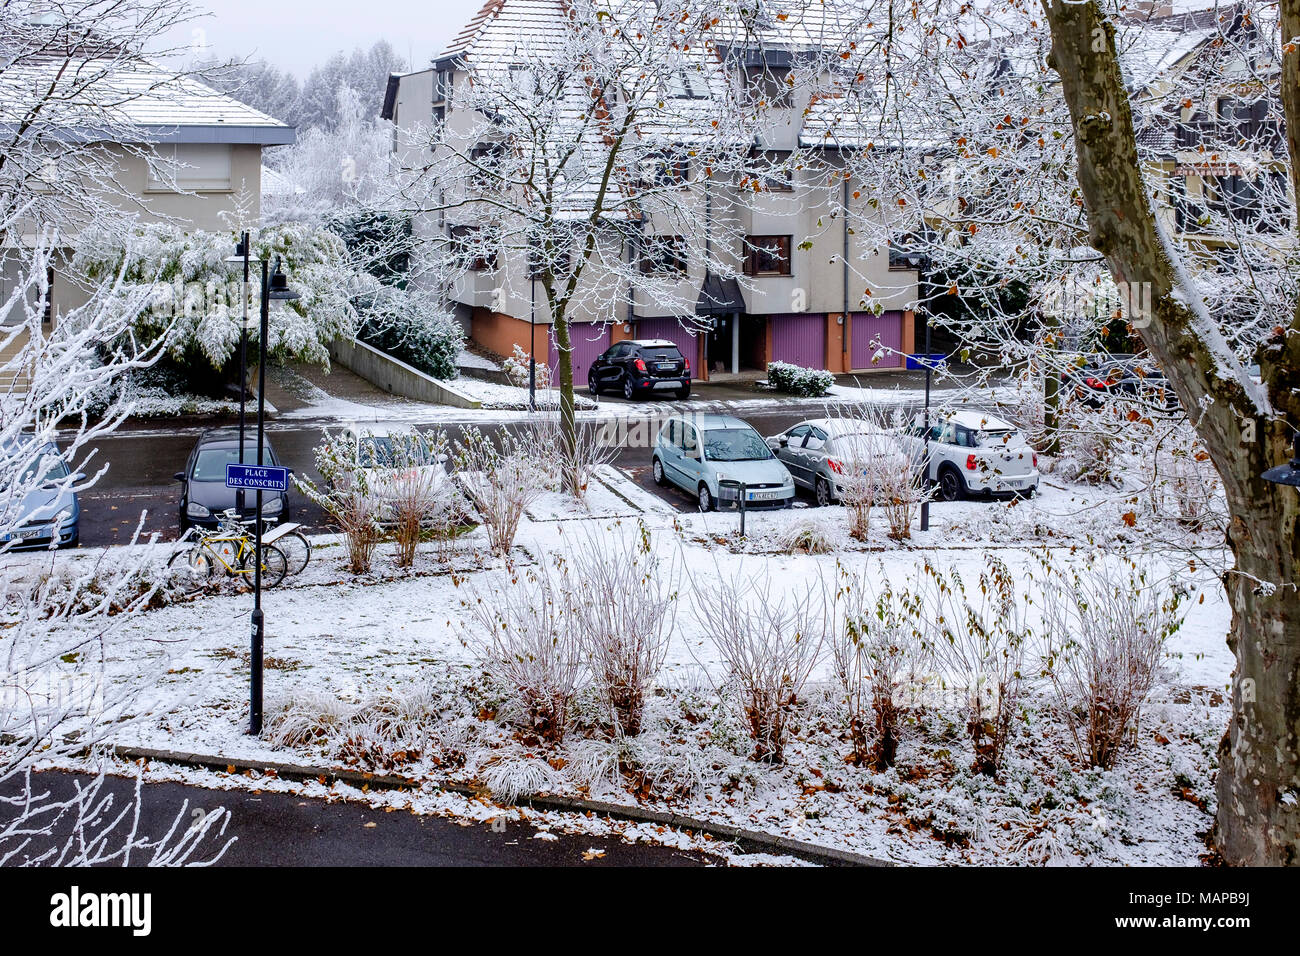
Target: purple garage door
(799, 340)
(589, 341)
(872, 334)
(671, 330)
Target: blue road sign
(257, 477)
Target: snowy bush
(517, 366)
(624, 603)
(528, 638)
(805, 382)
(1092, 442)
(194, 294)
(874, 470)
(1180, 478)
(347, 498)
(770, 647)
(419, 498)
(979, 643)
(804, 537)
(502, 478)
(876, 644)
(1106, 627)
(411, 328)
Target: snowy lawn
(380, 672)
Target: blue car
(698, 453)
(49, 512)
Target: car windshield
(735, 444)
(211, 463)
(383, 452)
(54, 468)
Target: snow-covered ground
(380, 672)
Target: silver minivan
(698, 453)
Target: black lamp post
(1288, 474)
(241, 256)
(925, 500)
(274, 287)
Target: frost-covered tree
(193, 295)
(1027, 144)
(60, 617)
(336, 171)
(261, 85)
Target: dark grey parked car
(204, 494)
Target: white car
(973, 452)
(391, 455)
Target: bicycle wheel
(296, 548)
(274, 565)
(190, 570)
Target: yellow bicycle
(228, 549)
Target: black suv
(636, 366)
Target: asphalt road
(276, 829)
(142, 460)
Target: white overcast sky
(298, 34)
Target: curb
(746, 841)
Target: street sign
(257, 477)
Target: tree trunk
(1259, 760)
(568, 419)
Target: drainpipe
(844, 264)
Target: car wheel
(951, 486)
(683, 392)
(822, 489)
(706, 498)
(592, 387)
(629, 390)
(657, 471)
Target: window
(561, 264)
(795, 437)
(663, 255)
(816, 439)
(191, 167)
(48, 317)
(767, 256)
(771, 171)
(441, 94)
(469, 249)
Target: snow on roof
(135, 93)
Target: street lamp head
(1288, 474)
(279, 290)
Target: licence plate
(24, 534)
(763, 495)
(666, 366)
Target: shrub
(770, 647)
(876, 644)
(517, 364)
(979, 644)
(805, 382)
(503, 478)
(623, 605)
(1106, 627)
(348, 499)
(411, 329)
(804, 537)
(529, 642)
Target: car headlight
(272, 507)
(196, 510)
(64, 514)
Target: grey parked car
(817, 451)
(699, 452)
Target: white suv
(974, 453)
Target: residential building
(194, 157)
(805, 290)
